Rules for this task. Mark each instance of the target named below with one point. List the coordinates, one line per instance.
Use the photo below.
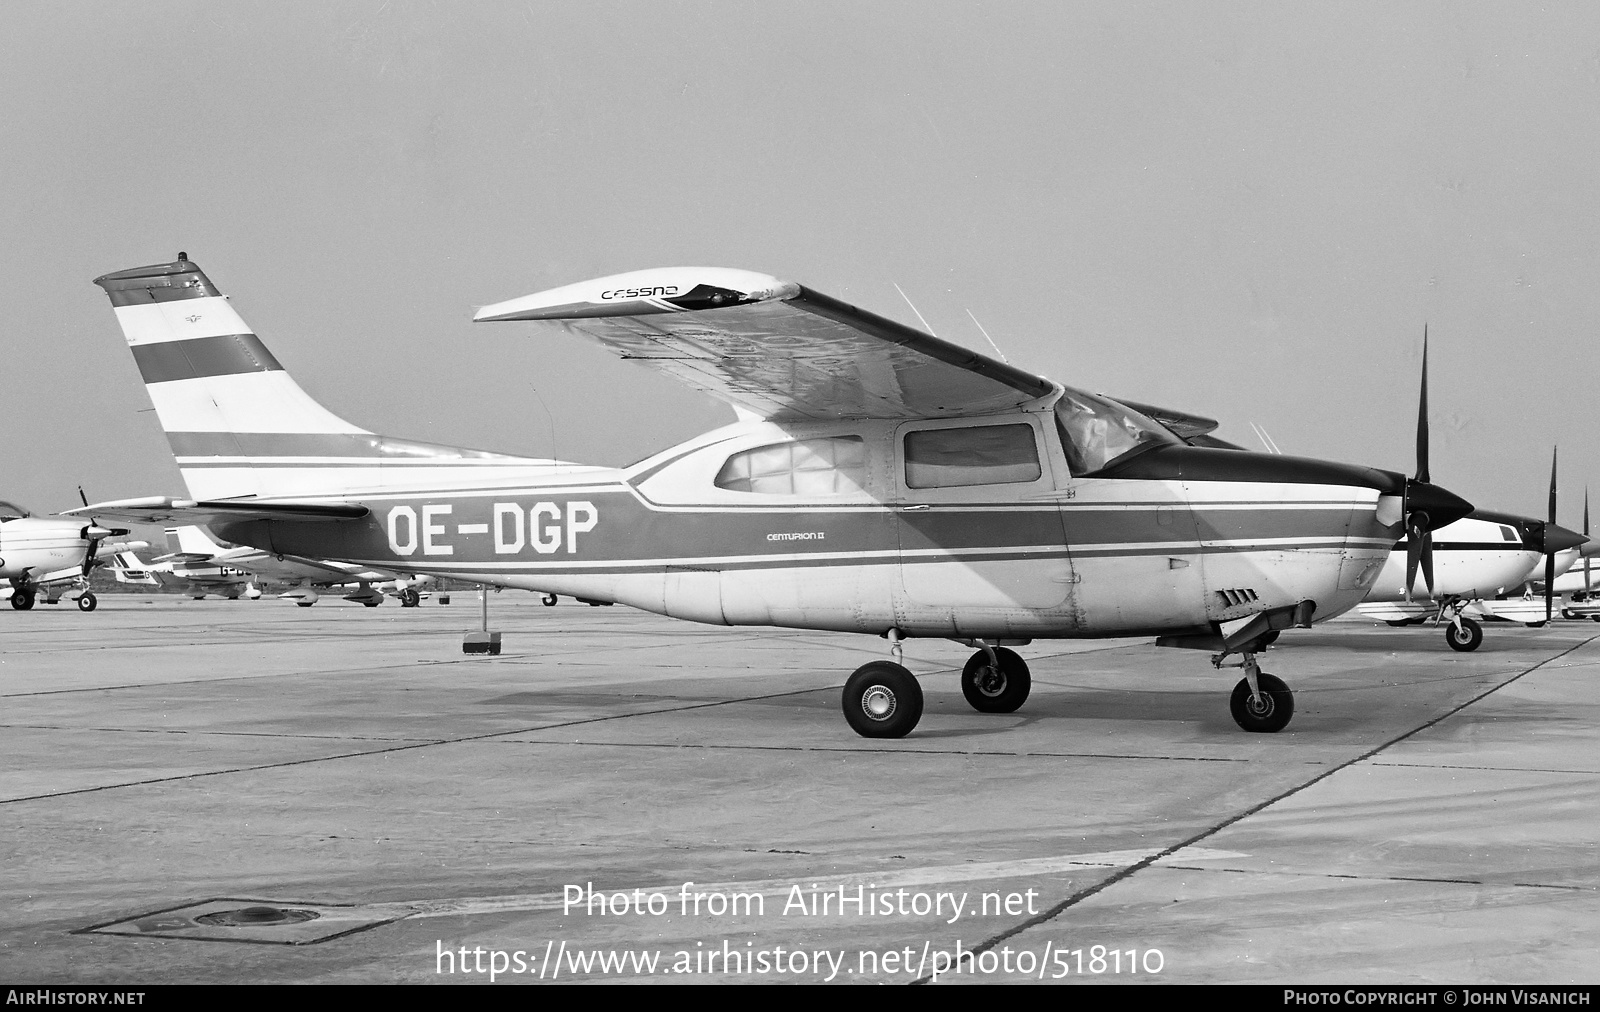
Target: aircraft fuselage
(1181, 538)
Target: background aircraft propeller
(1419, 526)
(93, 533)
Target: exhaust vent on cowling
(1234, 598)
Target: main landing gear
(22, 598)
(883, 699)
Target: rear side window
(980, 455)
(836, 465)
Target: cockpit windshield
(11, 511)
(1096, 432)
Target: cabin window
(1096, 432)
(979, 455)
(836, 465)
(1508, 533)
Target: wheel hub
(1260, 706)
(991, 681)
(878, 702)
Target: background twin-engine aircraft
(48, 556)
(201, 565)
(879, 481)
(1478, 557)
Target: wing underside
(776, 348)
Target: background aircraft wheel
(549, 600)
(882, 700)
(1534, 625)
(1568, 613)
(409, 598)
(370, 604)
(305, 604)
(22, 600)
(87, 602)
(1466, 638)
(1273, 711)
(989, 690)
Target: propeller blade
(1553, 452)
(1586, 534)
(1549, 585)
(1416, 532)
(1427, 560)
(1422, 414)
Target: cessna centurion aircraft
(880, 481)
(50, 555)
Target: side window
(1508, 533)
(980, 455)
(836, 465)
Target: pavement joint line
(1384, 878)
(1486, 769)
(884, 751)
(222, 734)
(1151, 859)
(383, 751)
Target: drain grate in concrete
(265, 922)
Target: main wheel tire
(882, 700)
(1534, 625)
(305, 604)
(549, 600)
(1467, 637)
(996, 690)
(87, 602)
(370, 604)
(409, 598)
(1270, 713)
(22, 600)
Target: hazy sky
(1246, 210)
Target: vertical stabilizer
(241, 427)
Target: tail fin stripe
(205, 356)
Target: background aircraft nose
(1559, 539)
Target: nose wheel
(1464, 634)
(87, 602)
(882, 700)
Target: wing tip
(643, 293)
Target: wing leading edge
(777, 348)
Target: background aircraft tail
(129, 568)
(193, 540)
(241, 427)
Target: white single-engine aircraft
(202, 565)
(49, 555)
(882, 481)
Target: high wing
(777, 348)
(165, 510)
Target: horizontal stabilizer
(165, 510)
